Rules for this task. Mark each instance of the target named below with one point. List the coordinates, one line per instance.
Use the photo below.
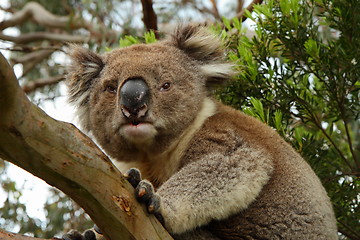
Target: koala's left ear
(82, 72)
(203, 46)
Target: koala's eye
(111, 89)
(165, 87)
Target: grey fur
(220, 174)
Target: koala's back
(292, 205)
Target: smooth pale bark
(65, 158)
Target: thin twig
(33, 85)
(26, 49)
(241, 14)
(39, 36)
(350, 233)
(215, 10)
(240, 6)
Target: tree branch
(240, 6)
(33, 56)
(27, 49)
(241, 14)
(4, 235)
(150, 18)
(33, 10)
(43, 17)
(215, 10)
(348, 231)
(30, 60)
(65, 158)
(40, 36)
(33, 85)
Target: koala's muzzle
(134, 98)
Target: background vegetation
(298, 72)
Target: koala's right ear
(199, 44)
(85, 67)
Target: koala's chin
(139, 133)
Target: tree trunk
(65, 158)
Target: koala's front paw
(145, 193)
(87, 235)
(75, 235)
(133, 176)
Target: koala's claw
(87, 235)
(73, 235)
(145, 193)
(133, 176)
(97, 229)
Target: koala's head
(145, 95)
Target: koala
(209, 171)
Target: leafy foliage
(300, 74)
(128, 40)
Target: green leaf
(237, 24)
(127, 41)
(226, 23)
(278, 120)
(312, 48)
(150, 37)
(298, 133)
(285, 7)
(259, 109)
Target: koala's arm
(215, 186)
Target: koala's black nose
(134, 98)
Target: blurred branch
(357, 162)
(4, 235)
(240, 6)
(348, 231)
(39, 36)
(65, 158)
(25, 48)
(34, 11)
(30, 60)
(241, 14)
(150, 18)
(34, 85)
(32, 56)
(215, 10)
(9, 9)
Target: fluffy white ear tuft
(201, 45)
(85, 67)
(198, 43)
(218, 73)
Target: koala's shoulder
(231, 121)
(229, 130)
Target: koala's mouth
(135, 122)
(137, 131)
